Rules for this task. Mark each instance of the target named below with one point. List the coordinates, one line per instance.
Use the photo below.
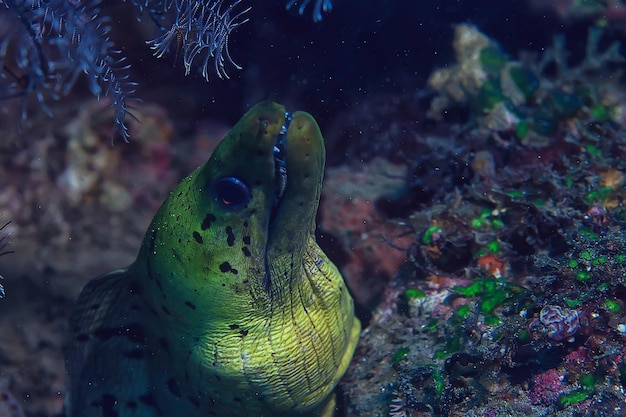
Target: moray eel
(231, 308)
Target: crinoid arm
(319, 6)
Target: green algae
(489, 96)
(573, 397)
(400, 354)
(453, 345)
(600, 113)
(464, 311)
(523, 336)
(572, 303)
(492, 59)
(494, 247)
(521, 129)
(427, 239)
(472, 290)
(593, 150)
(588, 381)
(525, 80)
(612, 306)
(598, 195)
(414, 293)
(492, 293)
(589, 234)
(440, 381)
(486, 218)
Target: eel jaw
(280, 183)
(280, 163)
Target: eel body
(231, 308)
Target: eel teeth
(280, 162)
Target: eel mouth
(280, 184)
(280, 162)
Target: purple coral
(546, 388)
(562, 323)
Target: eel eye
(231, 192)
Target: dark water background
(359, 50)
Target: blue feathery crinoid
(46, 45)
(4, 239)
(4, 243)
(319, 7)
(199, 29)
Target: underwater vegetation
(516, 98)
(46, 46)
(514, 301)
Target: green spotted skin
(229, 309)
